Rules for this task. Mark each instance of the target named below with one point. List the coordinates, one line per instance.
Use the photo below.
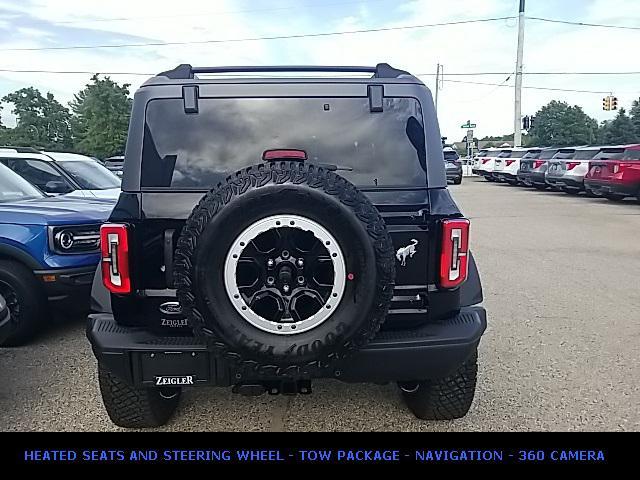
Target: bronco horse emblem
(406, 252)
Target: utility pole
(517, 136)
(438, 70)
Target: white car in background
(487, 162)
(56, 173)
(92, 177)
(506, 168)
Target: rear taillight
(509, 162)
(284, 154)
(619, 167)
(485, 160)
(538, 163)
(454, 259)
(572, 165)
(114, 245)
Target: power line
(253, 39)
(529, 87)
(584, 24)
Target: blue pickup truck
(49, 251)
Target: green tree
(602, 132)
(634, 113)
(560, 124)
(620, 130)
(101, 117)
(41, 121)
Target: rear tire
(25, 299)
(446, 398)
(457, 181)
(132, 407)
(539, 186)
(571, 191)
(615, 197)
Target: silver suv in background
(567, 171)
(533, 168)
(453, 165)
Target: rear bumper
(600, 187)
(432, 351)
(68, 288)
(565, 181)
(454, 174)
(506, 176)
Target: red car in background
(614, 173)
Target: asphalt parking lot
(561, 278)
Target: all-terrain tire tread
(132, 407)
(279, 173)
(446, 398)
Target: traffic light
(531, 120)
(614, 103)
(606, 103)
(526, 124)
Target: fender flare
(471, 289)
(14, 253)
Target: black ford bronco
(272, 231)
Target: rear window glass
(547, 154)
(482, 153)
(451, 155)
(518, 154)
(631, 155)
(492, 154)
(564, 154)
(505, 154)
(585, 154)
(200, 150)
(531, 155)
(610, 154)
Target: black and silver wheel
(286, 268)
(285, 274)
(25, 299)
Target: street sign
(468, 125)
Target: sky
(465, 48)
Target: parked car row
(453, 165)
(609, 171)
(51, 209)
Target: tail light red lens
(619, 167)
(284, 154)
(538, 163)
(485, 160)
(509, 162)
(114, 245)
(454, 258)
(572, 165)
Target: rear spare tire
(285, 268)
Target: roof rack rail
(186, 71)
(20, 149)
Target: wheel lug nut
(270, 263)
(285, 254)
(271, 280)
(301, 280)
(285, 288)
(300, 262)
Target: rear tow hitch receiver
(290, 387)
